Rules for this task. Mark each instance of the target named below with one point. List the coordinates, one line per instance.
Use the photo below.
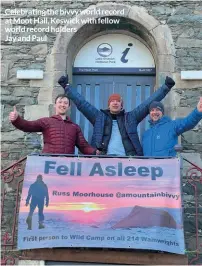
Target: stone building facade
(171, 29)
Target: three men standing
(115, 131)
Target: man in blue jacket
(115, 131)
(163, 134)
(38, 192)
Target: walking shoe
(29, 223)
(41, 225)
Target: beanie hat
(115, 96)
(157, 105)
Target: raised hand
(63, 81)
(199, 105)
(169, 82)
(13, 115)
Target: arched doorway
(134, 22)
(113, 63)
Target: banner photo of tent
(101, 203)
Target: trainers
(41, 225)
(29, 223)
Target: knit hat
(115, 96)
(157, 105)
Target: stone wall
(33, 98)
(184, 18)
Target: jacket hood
(164, 119)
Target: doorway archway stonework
(157, 37)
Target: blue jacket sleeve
(29, 194)
(141, 111)
(184, 124)
(88, 110)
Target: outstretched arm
(29, 195)
(141, 111)
(88, 110)
(28, 126)
(189, 122)
(24, 125)
(82, 144)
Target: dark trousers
(40, 206)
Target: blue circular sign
(104, 49)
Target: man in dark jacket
(38, 192)
(60, 135)
(115, 131)
(161, 138)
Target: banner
(101, 202)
